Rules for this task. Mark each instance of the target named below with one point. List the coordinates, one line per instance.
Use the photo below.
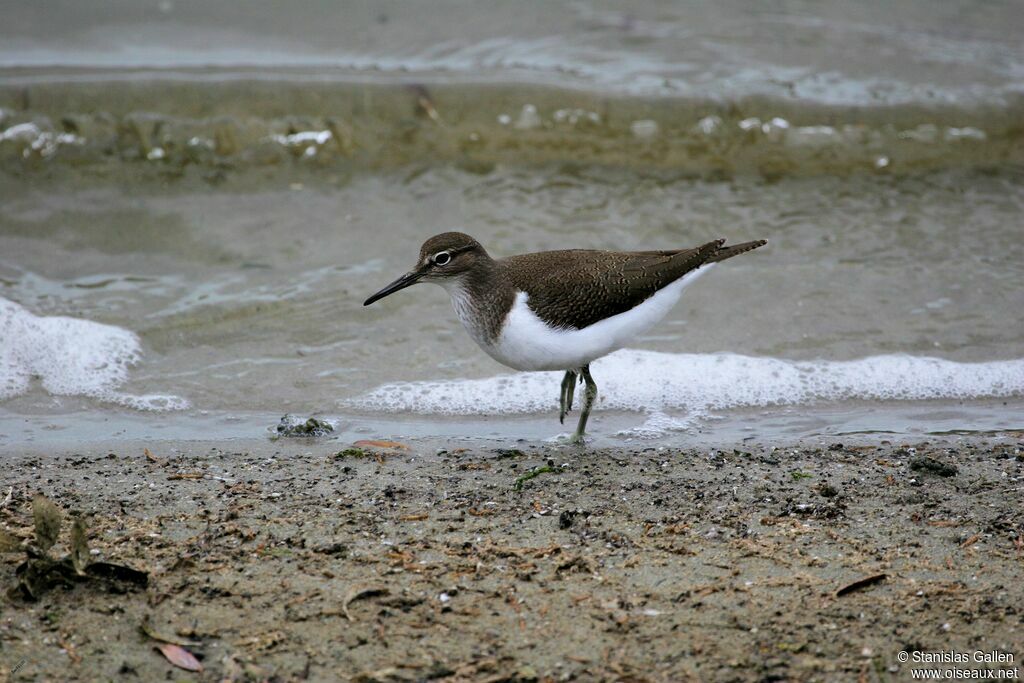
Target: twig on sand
(861, 583)
(199, 475)
(357, 593)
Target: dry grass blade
(47, 520)
(9, 543)
(417, 517)
(79, 546)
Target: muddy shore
(307, 560)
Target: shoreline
(23, 429)
(306, 561)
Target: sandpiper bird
(559, 310)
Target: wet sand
(300, 560)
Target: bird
(559, 310)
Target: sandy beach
(301, 559)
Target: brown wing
(577, 288)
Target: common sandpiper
(559, 310)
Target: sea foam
(652, 381)
(70, 357)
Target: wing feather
(577, 288)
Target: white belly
(527, 343)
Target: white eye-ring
(442, 258)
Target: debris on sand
(535, 472)
(148, 629)
(381, 444)
(358, 593)
(926, 463)
(371, 448)
(351, 453)
(40, 572)
(293, 425)
(532, 474)
(179, 657)
(861, 584)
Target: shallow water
(917, 51)
(233, 207)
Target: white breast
(527, 343)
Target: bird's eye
(442, 258)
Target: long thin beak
(410, 278)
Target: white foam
(70, 357)
(697, 383)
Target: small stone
(528, 118)
(644, 129)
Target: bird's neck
(481, 298)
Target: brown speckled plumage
(577, 288)
(569, 289)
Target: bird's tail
(734, 250)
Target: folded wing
(577, 288)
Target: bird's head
(443, 258)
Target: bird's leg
(589, 396)
(568, 389)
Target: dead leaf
(357, 593)
(79, 546)
(47, 520)
(861, 583)
(179, 657)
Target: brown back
(576, 288)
